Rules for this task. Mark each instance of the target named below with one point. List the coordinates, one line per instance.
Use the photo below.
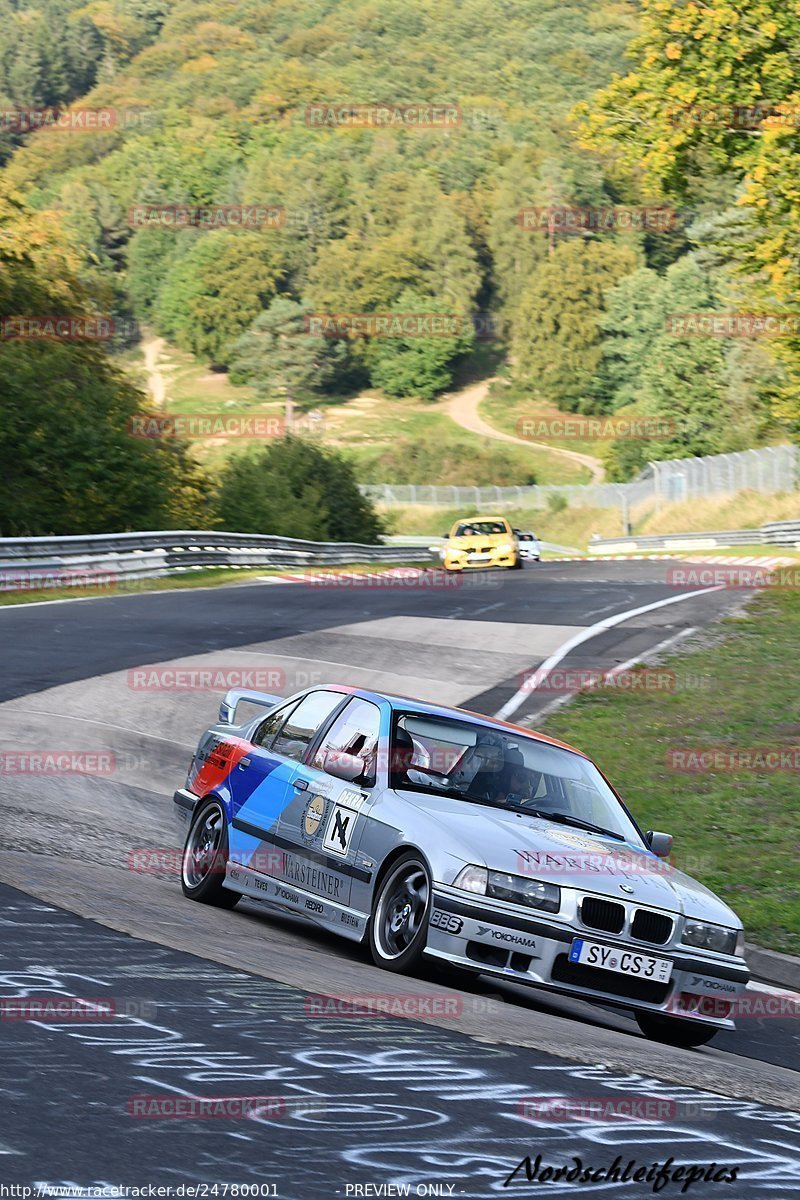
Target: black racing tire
(205, 855)
(398, 927)
(674, 1031)
(518, 565)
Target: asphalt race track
(352, 1102)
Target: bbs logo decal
(446, 922)
(339, 833)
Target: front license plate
(624, 962)
(479, 557)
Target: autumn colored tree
(714, 91)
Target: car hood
(570, 857)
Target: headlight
(516, 889)
(505, 548)
(709, 937)
(740, 944)
(472, 879)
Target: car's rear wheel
(674, 1031)
(205, 856)
(399, 925)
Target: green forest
(674, 106)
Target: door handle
(301, 785)
(244, 762)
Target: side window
(301, 725)
(355, 731)
(268, 728)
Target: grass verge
(736, 831)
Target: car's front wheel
(674, 1030)
(399, 925)
(205, 856)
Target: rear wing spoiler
(234, 697)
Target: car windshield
(508, 771)
(480, 529)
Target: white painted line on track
(586, 635)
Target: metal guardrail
(781, 533)
(776, 533)
(95, 558)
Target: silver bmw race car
(431, 830)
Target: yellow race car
(481, 542)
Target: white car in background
(529, 547)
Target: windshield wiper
(567, 819)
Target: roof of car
(442, 710)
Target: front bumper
(468, 561)
(183, 805)
(532, 948)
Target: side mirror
(659, 843)
(446, 536)
(348, 767)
